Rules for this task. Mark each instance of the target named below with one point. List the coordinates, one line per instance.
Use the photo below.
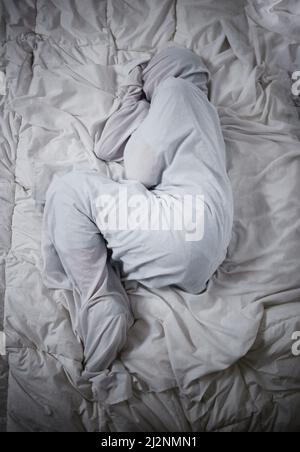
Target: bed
(219, 361)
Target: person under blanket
(170, 137)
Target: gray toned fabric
(74, 243)
(67, 65)
(178, 62)
(171, 61)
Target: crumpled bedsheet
(66, 65)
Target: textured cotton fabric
(178, 149)
(220, 361)
(173, 60)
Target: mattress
(221, 361)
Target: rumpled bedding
(66, 65)
(97, 231)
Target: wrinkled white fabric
(277, 16)
(172, 60)
(179, 149)
(2, 84)
(63, 83)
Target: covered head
(174, 62)
(144, 162)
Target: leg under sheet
(75, 257)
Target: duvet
(178, 151)
(225, 359)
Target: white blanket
(66, 66)
(176, 234)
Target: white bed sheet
(66, 66)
